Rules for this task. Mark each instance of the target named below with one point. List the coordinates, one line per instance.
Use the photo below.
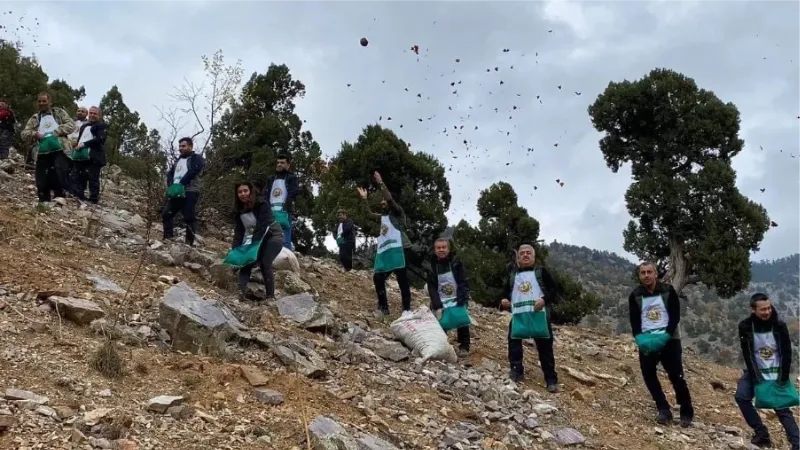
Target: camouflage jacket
(65, 127)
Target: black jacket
(673, 308)
(452, 264)
(292, 189)
(9, 123)
(195, 165)
(548, 285)
(348, 231)
(781, 332)
(265, 222)
(97, 144)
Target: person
(282, 190)
(767, 353)
(183, 191)
(531, 283)
(49, 130)
(89, 156)
(391, 250)
(255, 222)
(346, 240)
(7, 128)
(447, 281)
(80, 119)
(654, 306)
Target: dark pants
(379, 278)
(670, 358)
(745, 391)
(185, 206)
(270, 248)
(346, 251)
(86, 173)
(547, 358)
(287, 235)
(52, 174)
(462, 336)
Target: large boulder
(303, 309)
(291, 283)
(197, 325)
(286, 260)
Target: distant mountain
(709, 323)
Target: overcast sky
(746, 52)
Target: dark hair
(758, 297)
(187, 140)
(44, 94)
(239, 207)
(284, 155)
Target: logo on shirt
(525, 287)
(766, 353)
(277, 192)
(448, 289)
(384, 229)
(653, 314)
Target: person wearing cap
(345, 234)
(767, 353)
(655, 310)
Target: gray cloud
(746, 52)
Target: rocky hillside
(187, 366)
(709, 322)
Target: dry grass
(108, 361)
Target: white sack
(420, 331)
(286, 260)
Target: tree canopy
(688, 216)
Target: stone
(580, 376)
(180, 412)
(544, 408)
(197, 325)
(6, 422)
(18, 394)
(222, 276)
(301, 359)
(162, 258)
(583, 395)
(268, 396)
(64, 412)
(327, 434)
(391, 350)
(253, 376)
(370, 442)
(161, 403)
(291, 283)
(77, 310)
(568, 436)
(103, 284)
(95, 416)
(303, 309)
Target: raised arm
(363, 194)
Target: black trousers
(379, 278)
(270, 248)
(52, 175)
(86, 173)
(671, 359)
(186, 206)
(346, 255)
(462, 336)
(547, 358)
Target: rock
(268, 396)
(253, 376)
(95, 416)
(18, 394)
(77, 310)
(6, 422)
(717, 385)
(286, 260)
(291, 283)
(222, 276)
(161, 403)
(580, 376)
(544, 408)
(568, 436)
(370, 442)
(197, 325)
(326, 434)
(301, 358)
(583, 395)
(168, 279)
(64, 412)
(103, 284)
(162, 258)
(303, 309)
(391, 350)
(180, 412)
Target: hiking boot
(686, 421)
(463, 353)
(552, 388)
(516, 375)
(761, 441)
(664, 417)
